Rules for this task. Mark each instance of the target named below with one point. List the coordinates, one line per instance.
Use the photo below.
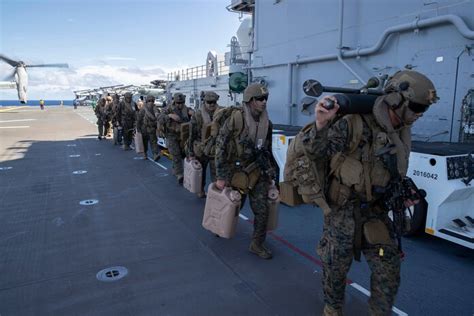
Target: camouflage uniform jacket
(126, 114)
(197, 124)
(101, 112)
(227, 159)
(169, 126)
(116, 114)
(146, 120)
(333, 142)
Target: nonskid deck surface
(52, 247)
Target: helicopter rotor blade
(9, 61)
(49, 65)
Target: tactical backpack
(311, 177)
(220, 117)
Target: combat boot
(126, 147)
(156, 157)
(180, 179)
(331, 311)
(260, 250)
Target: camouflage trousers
(336, 250)
(258, 197)
(205, 161)
(150, 137)
(177, 153)
(127, 134)
(103, 127)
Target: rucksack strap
(356, 128)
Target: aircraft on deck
(18, 79)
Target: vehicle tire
(418, 219)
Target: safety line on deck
(9, 109)
(159, 164)
(22, 120)
(320, 264)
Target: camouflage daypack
(311, 176)
(218, 120)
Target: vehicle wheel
(418, 218)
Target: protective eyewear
(211, 102)
(417, 107)
(261, 99)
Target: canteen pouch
(338, 193)
(376, 233)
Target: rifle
(263, 159)
(399, 190)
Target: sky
(109, 42)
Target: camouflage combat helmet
(210, 96)
(255, 90)
(179, 97)
(414, 86)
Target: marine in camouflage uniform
(108, 115)
(101, 112)
(169, 124)
(357, 221)
(244, 160)
(126, 116)
(116, 119)
(146, 124)
(200, 124)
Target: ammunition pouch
(301, 174)
(184, 130)
(338, 193)
(206, 132)
(198, 149)
(376, 233)
(246, 178)
(350, 171)
(209, 147)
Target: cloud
(51, 83)
(118, 58)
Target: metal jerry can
(273, 201)
(222, 211)
(192, 175)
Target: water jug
(192, 175)
(222, 211)
(273, 201)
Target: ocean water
(35, 102)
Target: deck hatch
(88, 202)
(112, 274)
(79, 172)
